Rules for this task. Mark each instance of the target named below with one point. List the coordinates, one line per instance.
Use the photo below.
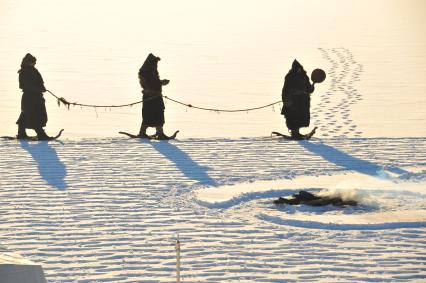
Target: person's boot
(143, 136)
(22, 134)
(142, 132)
(41, 135)
(160, 134)
(296, 135)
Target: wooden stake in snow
(177, 247)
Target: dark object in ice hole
(307, 198)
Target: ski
(32, 138)
(308, 136)
(150, 137)
(135, 136)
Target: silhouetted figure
(153, 104)
(296, 98)
(33, 108)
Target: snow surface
(110, 210)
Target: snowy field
(110, 210)
(96, 207)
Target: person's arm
(307, 85)
(149, 81)
(311, 88)
(287, 91)
(40, 82)
(28, 82)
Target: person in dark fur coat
(33, 109)
(153, 104)
(296, 98)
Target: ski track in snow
(109, 210)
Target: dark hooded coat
(33, 108)
(153, 104)
(296, 97)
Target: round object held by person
(318, 76)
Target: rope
(222, 110)
(68, 104)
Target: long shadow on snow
(51, 169)
(349, 162)
(184, 163)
